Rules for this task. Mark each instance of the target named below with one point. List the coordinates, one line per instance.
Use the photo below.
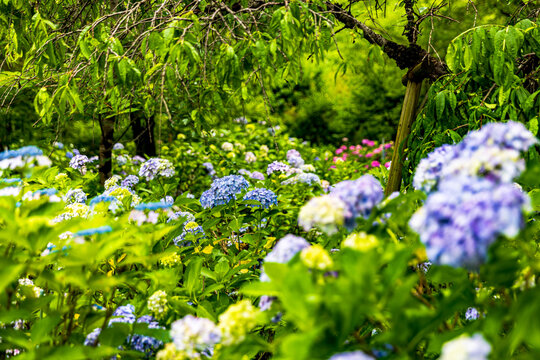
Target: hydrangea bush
(255, 247)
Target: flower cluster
(360, 197)
(130, 181)
(75, 196)
(156, 167)
(277, 166)
(327, 212)
(466, 348)
(191, 229)
(250, 157)
(126, 314)
(360, 241)
(237, 321)
(266, 197)
(78, 162)
(223, 190)
(193, 336)
(316, 257)
(25, 156)
(475, 201)
(285, 249)
(158, 304)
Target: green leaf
(440, 104)
(43, 327)
(193, 273)
(533, 125)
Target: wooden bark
(143, 134)
(408, 114)
(105, 148)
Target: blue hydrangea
(472, 314)
(277, 166)
(25, 151)
(266, 197)
(510, 135)
(93, 231)
(309, 178)
(360, 197)
(126, 314)
(188, 217)
(194, 231)
(153, 206)
(58, 145)
(156, 167)
(285, 249)
(428, 171)
(75, 196)
(351, 355)
(459, 222)
(223, 190)
(102, 198)
(244, 172)
(10, 181)
(130, 181)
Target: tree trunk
(143, 133)
(105, 148)
(408, 114)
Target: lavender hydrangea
(285, 249)
(118, 146)
(266, 197)
(360, 197)
(459, 222)
(296, 161)
(510, 135)
(156, 167)
(257, 175)
(209, 168)
(130, 181)
(277, 166)
(78, 162)
(223, 190)
(472, 314)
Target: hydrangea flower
(360, 197)
(257, 175)
(223, 190)
(25, 156)
(126, 314)
(194, 230)
(316, 257)
(326, 212)
(466, 348)
(93, 231)
(121, 160)
(459, 222)
(472, 314)
(296, 161)
(209, 168)
(78, 162)
(244, 172)
(237, 321)
(130, 181)
(293, 153)
(227, 146)
(266, 197)
(277, 166)
(351, 355)
(112, 182)
(429, 170)
(284, 250)
(360, 241)
(510, 135)
(158, 304)
(156, 167)
(193, 336)
(181, 215)
(250, 157)
(75, 196)
(118, 146)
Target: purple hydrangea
(510, 135)
(296, 161)
(284, 250)
(360, 197)
(223, 190)
(130, 181)
(293, 153)
(459, 222)
(257, 175)
(78, 162)
(472, 314)
(428, 171)
(156, 167)
(277, 166)
(266, 197)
